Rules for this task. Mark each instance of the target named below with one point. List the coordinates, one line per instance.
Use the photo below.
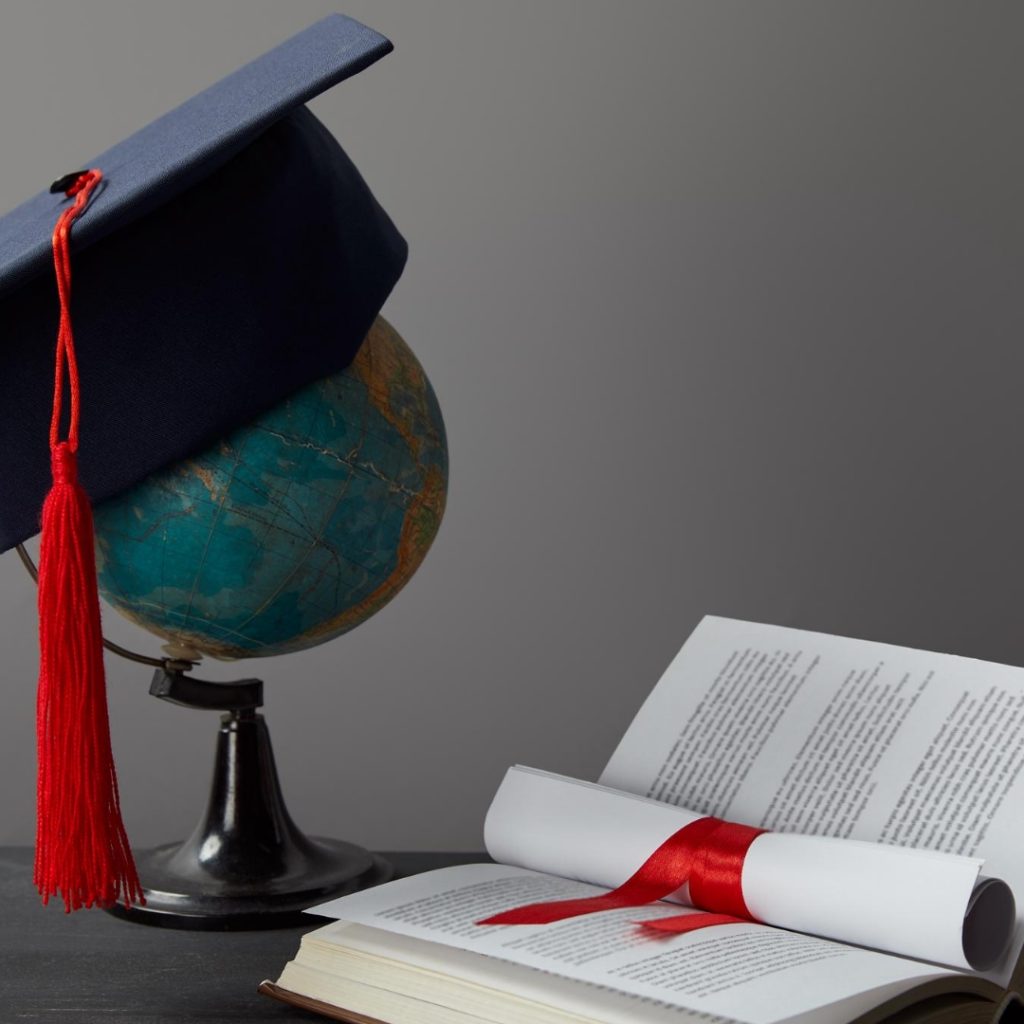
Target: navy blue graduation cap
(224, 256)
(231, 255)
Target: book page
(804, 732)
(747, 972)
(500, 990)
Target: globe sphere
(293, 529)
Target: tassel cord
(82, 850)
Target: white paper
(903, 901)
(750, 973)
(823, 735)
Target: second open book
(795, 732)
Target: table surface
(88, 967)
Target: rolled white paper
(918, 903)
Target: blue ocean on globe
(293, 529)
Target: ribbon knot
(63, 464)
(707, 854)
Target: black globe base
(247, 865)
(181, 900)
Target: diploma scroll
(919, 903)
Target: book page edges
(283, 995)
(381, 947)
(931, 996)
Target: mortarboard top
(231, 255)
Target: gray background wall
(722, 302)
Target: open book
(775, 728)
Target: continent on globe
(293, 529)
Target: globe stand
(247, 865)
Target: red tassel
(82, 850)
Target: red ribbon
(708, 854)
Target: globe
(293, 529)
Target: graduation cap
(223, 257)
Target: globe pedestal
(247, 865)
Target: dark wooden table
(89, 968)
